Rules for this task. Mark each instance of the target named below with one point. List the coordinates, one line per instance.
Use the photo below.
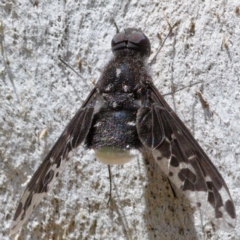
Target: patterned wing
(184, 162)
(54, 163)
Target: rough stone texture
(39, 95)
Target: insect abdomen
(115, 129)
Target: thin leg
(173, 191)
(170, 32)
(110, 179)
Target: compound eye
(140, 40)
(119, 38)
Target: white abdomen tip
(109, 155)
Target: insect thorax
(113, 127)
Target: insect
(125, 111)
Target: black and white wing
(54, 163)
(183, 161)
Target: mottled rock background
(39, 95)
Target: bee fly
(125, 111)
